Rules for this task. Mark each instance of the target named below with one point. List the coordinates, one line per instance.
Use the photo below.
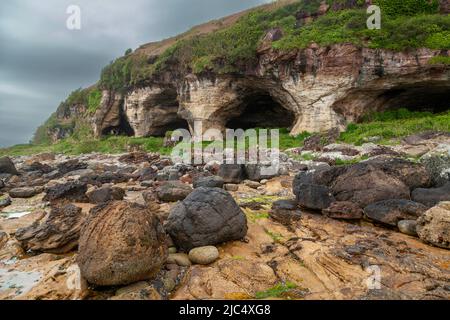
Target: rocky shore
(137, 226)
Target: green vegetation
(405, 24)
(277, 291)
(94, 99)
(440, 60)
(74, 146)
(393, 125)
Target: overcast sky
(41, 61)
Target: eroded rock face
(434, 226)
(208, 216)
(344, 210)
(58, 233)
(121, 243)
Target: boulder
(25, 192)
(71, 165)
(69, 191)
(344, 210)
(431, 197)
(5, 200)
(313, 196)
(408, 227)
(173, 191)
(231, 187)
(390, 212)
(37, 166)
(285, 211)
(437, 162)
(204, 255)
(121, 243)
(366, 184)
(255, 172)
(208, 216)
(232, 173)
(209, 182)
(105, 194)
(434, 226)
(7, 166)
(57, 233)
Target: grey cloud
(41, 61)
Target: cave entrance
(425, 98)
(260, 110)
(123, 129)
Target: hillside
(148, 92)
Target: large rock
(285, 211)
(70, 191)
(25, 192)
(173, 191)
(313, 196)
(434, 226)
(431, 197)
(57, 233)
(121, 243)
(105, 194)
(232, 173)
(208, 216)
(209, 182)
(7, 166)
(255, 172)
(390, 212)
(437, 163)
(366, 184)
(71, 165)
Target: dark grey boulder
(7, 166)
(232, 173)
(5, 200)
(70, 191)
(172, 191)
(208, 216)
(313, 196)
(71, 165)
(105, 194)
(431, 197)
(255, 172)
(209, 182)
(390, 212)
(285, 211)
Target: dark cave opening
(260, 110)
(123, 129)
(432, 98)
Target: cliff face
(318, 88)
(313, 89)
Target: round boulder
(208, 216)
(121, 243)
(7, 166)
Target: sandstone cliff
(312, 88)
